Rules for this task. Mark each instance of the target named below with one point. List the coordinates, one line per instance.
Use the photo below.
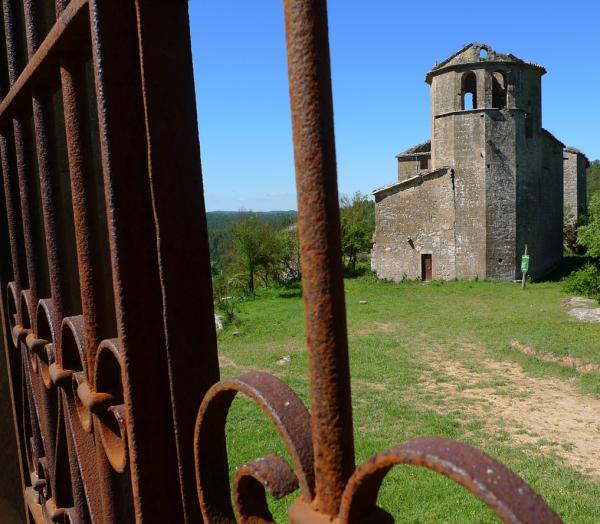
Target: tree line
(249, 250)
(583, 238)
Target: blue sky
(380, 52)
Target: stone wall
(501, 194)
(570, 187)
(540, 203)
(415, 217)
(468, 162)
(582, 201)
(410, 167)
(529, 192)
(551, 206)
(574, 184)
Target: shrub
(571, 230)
(357, 221)
(228, 294)
(588, 235)
(585, 281)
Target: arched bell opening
(469, 91)
(499, 90)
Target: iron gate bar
(321, 254)
(133, 243)
(79, 442)
(65, 33)
(34, 252)
(13, 213)
(49, 312)
(14, 58)
(176, 184)
(13, 379)
(15, 224)
(91, 237)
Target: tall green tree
(250, 248)
(357, 217)
(593, 178)
(588, 235)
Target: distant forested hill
(222, 220)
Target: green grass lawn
(400, 343)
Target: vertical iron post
(320, 242)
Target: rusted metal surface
(290, 418)
(321, 260)
(182, 237)
(491, 482)
(107, 303)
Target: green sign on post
(525, 263)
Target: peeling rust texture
(321, 259)
(106, 298)
(289, 416)
(270, 474)
(97, 112)
(182, 235)
(491, 482)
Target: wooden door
(426, 268)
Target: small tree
(228, 294)
(571, 231)
(251, 240)
(593, 179)
(588, 235)
(357, 216)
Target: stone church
(490, 181)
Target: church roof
(416, 180)
(423, 149)
(471, 54)
(576, 151)
(550, 135)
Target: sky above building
(380, 53)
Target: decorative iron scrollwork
(292, 422)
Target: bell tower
(486, 123)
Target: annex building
(490, 180)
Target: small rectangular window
(424, 164)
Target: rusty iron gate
(106, 288)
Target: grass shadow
(290, 293)
(361, 270)
(568, 265)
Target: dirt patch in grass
(225, 361)
(543, 415)
(376, 386)
(375, 327)
(582, 309)
(568, 361)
